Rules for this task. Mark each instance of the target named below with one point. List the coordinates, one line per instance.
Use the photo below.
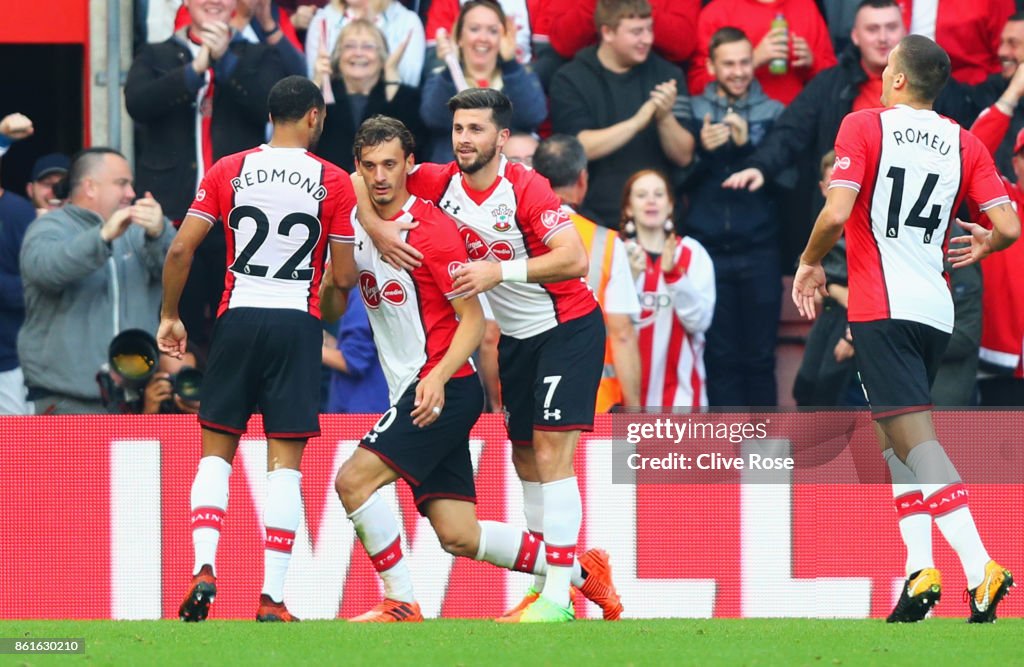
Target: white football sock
(946, 498)
(209, 505)
(533, 508)
(513, 549)
(915, 520)
(380, 534)
(563, 516)
(281, 515)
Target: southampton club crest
(502, 218)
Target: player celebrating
(527, 256)
(425, 332)
(279, 205)
(900, 175)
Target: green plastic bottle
(779, 65)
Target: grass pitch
(748, 642)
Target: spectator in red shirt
(967, 29)
(808, 50)
(570, 25)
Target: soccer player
(526, 254)
(279, 205)
(425, 331)
(900, 174)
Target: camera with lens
(133, 358)
(187, 384)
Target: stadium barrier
(96, 513)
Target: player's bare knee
(457, 542)
(524, 463)
(353, 486)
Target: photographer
(138, 380)
(89, 269)
(170, 390)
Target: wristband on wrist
(513, 271)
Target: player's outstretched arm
(979, 242)
(1005, 226)
(171, 336)
(468, 334)
(828, 228)
(386, 235)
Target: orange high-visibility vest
(599, 242)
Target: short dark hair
(876, 4)
(561, 159)
(726, 35)
(378, 130)
(1016, 16)
(485, 98)
(926, 66)
(611, 12)
(83, 164)
(292, 97)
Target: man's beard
(314, 139)
(482, 159)
(383, 200)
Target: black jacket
(340, 128)
(586, 96)
(160, 95)
(807, 129)
(731, 221)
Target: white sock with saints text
(209, 505)
(946, 498)
(563, 516)
(915, 520)
(380, 534)
(533, 508)
(281, 516)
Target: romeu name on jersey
(911, 169)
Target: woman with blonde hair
(675, 279)
(398, 24)
(364, 82)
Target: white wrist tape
(513, 271)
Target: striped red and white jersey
(911, 169)
(513, 219)
(410, 312)
(675, 310)
(278, 206)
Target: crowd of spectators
(718, 113)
